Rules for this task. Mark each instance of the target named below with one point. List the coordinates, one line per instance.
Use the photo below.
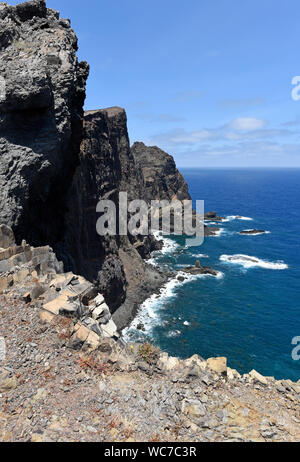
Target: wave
(149, 313)
(218, 232)
(212, 223)
(251, 262)
(199, 255)
(168, 244)
(173, 333)
(236, 217)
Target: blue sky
(209, 81)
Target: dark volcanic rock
(56, 164)
(40, 119)
(106, 168)
(162, 180)
(212, 216)
(161, 177)
(200, 270)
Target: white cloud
(247, 124)
(242, 137)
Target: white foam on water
(212, 223)
(149, 312)
(199, 255)
(251, 262)
(218, 233)
(168, 244)
(186, 323)
(237, 217)
(173, 333)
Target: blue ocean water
(249, 314)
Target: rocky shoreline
(66, 374)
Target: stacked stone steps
(36, 275)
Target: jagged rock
(161, 178)
(218, 365)
(40, 119)
(233, 374)
(193, 408)
(107, 167)
(252, 231)
(212, 216)
(167, 363)
(109, 329)
(199, 270)
(258, 378)
(7, 238)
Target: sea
(250, 312)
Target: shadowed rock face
(104, 158)
(161, 178)
(56, 164)
(40, 119)
(106, 168)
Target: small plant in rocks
(148, 353)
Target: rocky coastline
(66, 293)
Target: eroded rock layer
(43, 91)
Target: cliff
(65, 373)
(57, 164)
(161, 178)
(40, 119)
(106, 168)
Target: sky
(209, 81)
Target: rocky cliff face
(161, 178)
(57, 163)
(106, 168)
(43, 90)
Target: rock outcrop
(161, 178)
(49, 187)
(35, 275)
(43, 91)
(213, 216)
(252, 232)
(107, 167)
(57, 162)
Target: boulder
(7, 381)
(7, 238)
(252, 231)
(212, 216)
(109, 329)
(258, 378)
(167, 363)
(193, 408)
(195, 270)
(218, 365)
